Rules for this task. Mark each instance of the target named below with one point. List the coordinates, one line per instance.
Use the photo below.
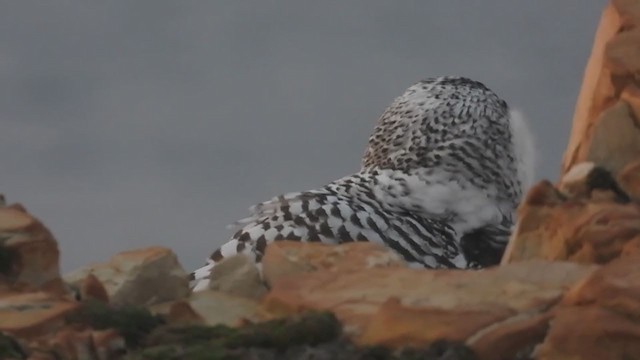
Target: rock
(219, 308)
(605, 129)
(209, 307)
(285, 258)
(615, 139)
(28, 253)
(138, 277)
(598, 318)
(592, 222)
(629, 180)
(73, 344)
(92, 289)
(238, 275)
(386, 306)
(29, 315)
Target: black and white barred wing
(333, 214)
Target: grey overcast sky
(134, 123)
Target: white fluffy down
(523, 147)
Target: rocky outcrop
(138, 277)
(398, 306)
(29, 255)
(568, 286)
(605, 123)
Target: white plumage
(441, 177)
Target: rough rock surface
(398, 306)
(568, 286)
(605, 123)
(28, 253)
(286, 258)
(600, 317)
(585, 226)
(238, 276)
(138, 277)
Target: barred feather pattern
(440, 180)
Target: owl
(441, 177)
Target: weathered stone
(597, 91)
(456, 305)
(28, 253)
(211, 307)
(615, 140)
(92, 288)
(85, 344)
(591, 226)
(395, 324)
(238, 275)
(590, 333)
(629, 179)
(28, 315)
(181, 312)
(598, 317)
(138, 277)
(285, 258)
(575, 182)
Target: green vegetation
(10, 349)
(133, 323)
(7, 257)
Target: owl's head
(458, 126)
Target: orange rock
(79, 344)
(92, 288)
(238, 275)
(138, 277)
(629, 179)
(594, 230)
(211, 308)
(31, 251)
(507, 339)
(285, 258)
(181, 312)
(597, 318)
(597, 90)
(615, 138)
(590, 333)
(28, 315)
(453, 303)
(395, 324)
(615, 286)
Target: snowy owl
(442, 175)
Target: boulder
(138, 277)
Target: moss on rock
(133, 323)
(10, 349)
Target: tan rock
(238, 275)
(28, 252)
(597, 90)
(615, 139)
(83, 344)
(615, 286)
(598, 317)
(629, 179)
(590, 333)
(138, 277)
(458, 305)
(395, 324)
(605, 128)
(594, 230)
(575, 182)
(28, 315)
(211, 308)
(285, 258)
(92, 288)
(181, 312)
